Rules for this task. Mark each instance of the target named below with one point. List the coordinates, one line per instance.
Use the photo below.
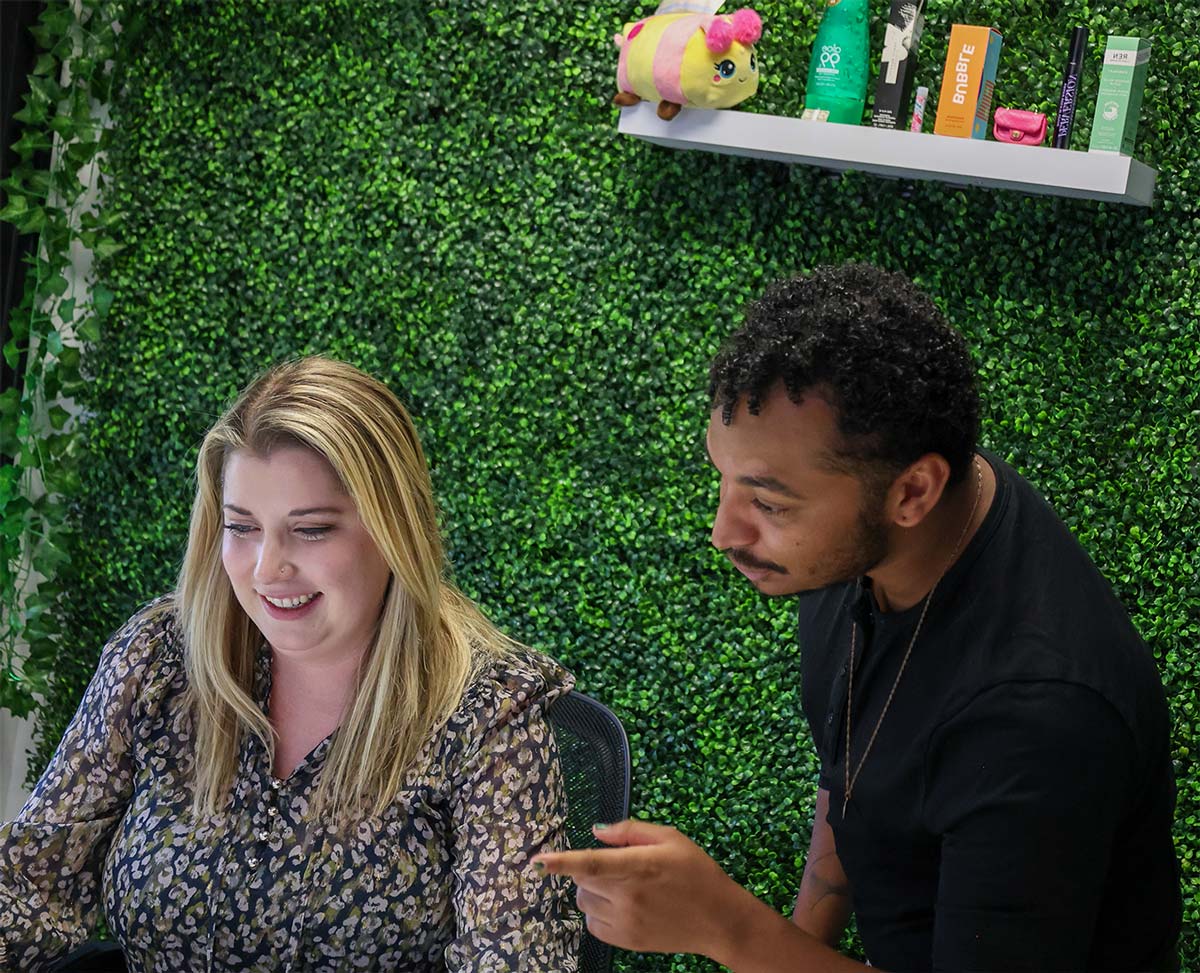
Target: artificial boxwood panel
(437, 192)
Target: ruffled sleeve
(52, 853)
(508, 804)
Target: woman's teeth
(291, 602)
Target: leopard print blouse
(440, 882)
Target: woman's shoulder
(145, 655)
(140, 669)
(508, 687)
(150, 634)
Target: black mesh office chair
(93, 957)
(594, 752)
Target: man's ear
(917, 490)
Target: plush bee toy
(686, 56)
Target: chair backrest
(94, 956)
(594, 752)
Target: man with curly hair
(996, 788)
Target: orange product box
(966, 99)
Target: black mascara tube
(1070, 89)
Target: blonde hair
(430, 640)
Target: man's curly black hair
(898, 375)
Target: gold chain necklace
(851, 781)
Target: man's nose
(729, 529)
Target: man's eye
(765, 507)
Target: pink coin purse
(1019, 127)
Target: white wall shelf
(900, 154)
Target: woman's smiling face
(302, 565)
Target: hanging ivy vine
(62, 115)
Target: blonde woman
(317, 754)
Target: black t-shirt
(1014, 812)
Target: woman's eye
(239, 530)
(726, 69)
(312, 533)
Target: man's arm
(659, 892)
(823, 905)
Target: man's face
(786, 518)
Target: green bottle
(837, 74)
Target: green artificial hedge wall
(437, 192)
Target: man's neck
(922, 554)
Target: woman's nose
(272, 564)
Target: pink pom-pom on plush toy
(719, 36)
(747, 26)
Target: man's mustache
(753, 563)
